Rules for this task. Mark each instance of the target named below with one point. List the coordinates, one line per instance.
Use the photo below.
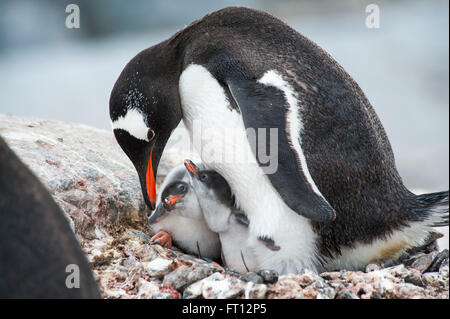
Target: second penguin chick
(217, 203)
(178, 216)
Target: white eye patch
(132, 122)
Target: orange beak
(191, 168)
(150, 181)
(172, 200)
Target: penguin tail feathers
(435, 206)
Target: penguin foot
(163, 238)
(222, 270)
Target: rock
(193, 291)
(185, 275)
(346, 294)
(407, 291)
(331, 275)
(159, 267)
(268, 276)
(440, 259)
(434, 279)
(415, 278)
(217, 286)
(84, 169)
(147, 289)
(308, 278)
(255, 291)
(372, 267)
(396, 271)
(423, 262)
(317, 291)
(252, 277)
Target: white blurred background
(49, 71)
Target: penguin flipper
(241, 217)
(267, 107)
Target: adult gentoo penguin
(178, 215)
(36, 242)
(335, 199)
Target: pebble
(219, 287)
(268, 276)
(252, 277)
(183, 276)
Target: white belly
(241, 259)
(192, 235)
(218, 134)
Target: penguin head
(176, 199)
(210, 183)
(214, 194)
(144, 109)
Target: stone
(415, 278)
(85, 171)
(331, 275)
(193, 291)
(433, 279)
(287, 287)
(372, 267)
(252, 277)
(183, 276)
(158, 268)
(440, 259)
(423, 262)
(407, 291)
(268, 276)
(346, 294)
(217, 286)
(255, 291)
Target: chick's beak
(157, 215)
(192, 169)
(173, 199)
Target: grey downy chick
(239, 251)
(178, 216)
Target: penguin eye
(204, 177)
(181, 188)
(150, 134)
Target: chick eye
(150, 134)
(204, 177)
(181, 188)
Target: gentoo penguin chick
(217, 203)
(179, 216)
(40, 256)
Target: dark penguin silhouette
(36, 242)
(334, 199)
